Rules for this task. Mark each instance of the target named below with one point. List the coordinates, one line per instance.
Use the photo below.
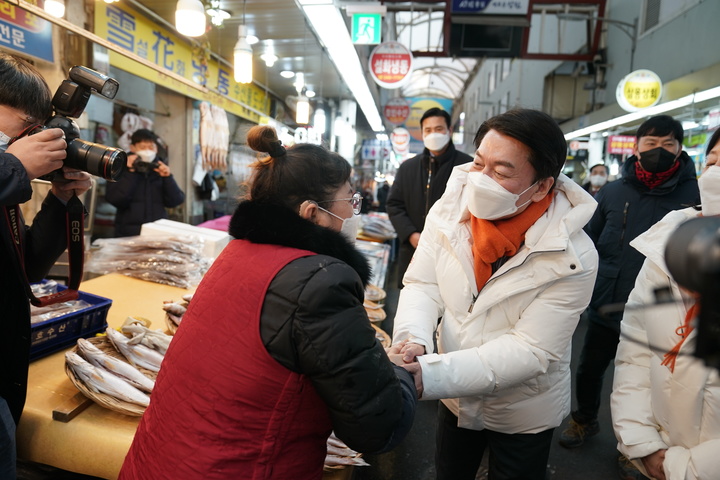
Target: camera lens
(96, 159)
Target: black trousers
(512, 456)
(598, 351)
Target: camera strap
(75, 219)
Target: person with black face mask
(658, 178)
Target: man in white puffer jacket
(508, 299)
(666, 407)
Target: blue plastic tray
(62, 332)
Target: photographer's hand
(40, 153)
(162, 170)
(76, 182)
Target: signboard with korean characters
(25, 32)
(391, 64)
(639, 89)
(397, 110)
(491, 7)
(621, 144)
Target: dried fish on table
(140, 334)
(100, 380)
(138, 355)
(122, 369)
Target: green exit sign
(366, 28)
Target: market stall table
(96, 440)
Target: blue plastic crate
(62, 332)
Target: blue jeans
(8, 454)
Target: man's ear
(544, 187)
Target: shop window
(505, 68)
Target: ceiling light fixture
(243, 55)
(56, 8)
(330, 28)
(217, 14)
(287, 74)
(310, 93)
(190, 18)
(269, 57)
(698, 97)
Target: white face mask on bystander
(709, 184)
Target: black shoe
(576, 433)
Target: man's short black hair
(538, 132)
(22, 87)
(436, 112)
(141, 135)
(661, 126)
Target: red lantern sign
(397, 111)
(391, 64)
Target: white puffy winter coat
(503, 354)
(652, 408)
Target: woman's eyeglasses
(355, 201)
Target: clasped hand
(403, 354)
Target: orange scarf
(683, 331)
(493, 240)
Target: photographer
(665, 401)
(145, 189)
(25, 101)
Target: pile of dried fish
(214, 137)
(378, 227)
(174, 312)
(129, 374)
(176, 261)
(340, 455)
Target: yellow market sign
(126, 28)
(639, 89)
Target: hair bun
(276, 149)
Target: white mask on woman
(349, 227)
(709, 184)
(489, 200)
(598, 180)
(436, 141)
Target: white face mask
(349, 227)
(4, 142)
(709, 184)
(489, 200)
(436, 141)
(146, 156)
(598, 180)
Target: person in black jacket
(420, 182)
(660, 177)
(144, 189)
(25, 101)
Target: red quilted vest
(222, 407)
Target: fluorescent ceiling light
(647, 112)
(190, 18)
(287, 74)
(310, 93)
(330, 27)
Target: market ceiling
(283, 30)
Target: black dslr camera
(69, 101)
(692, 255)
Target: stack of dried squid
(214, 137)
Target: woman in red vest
(276, 349)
